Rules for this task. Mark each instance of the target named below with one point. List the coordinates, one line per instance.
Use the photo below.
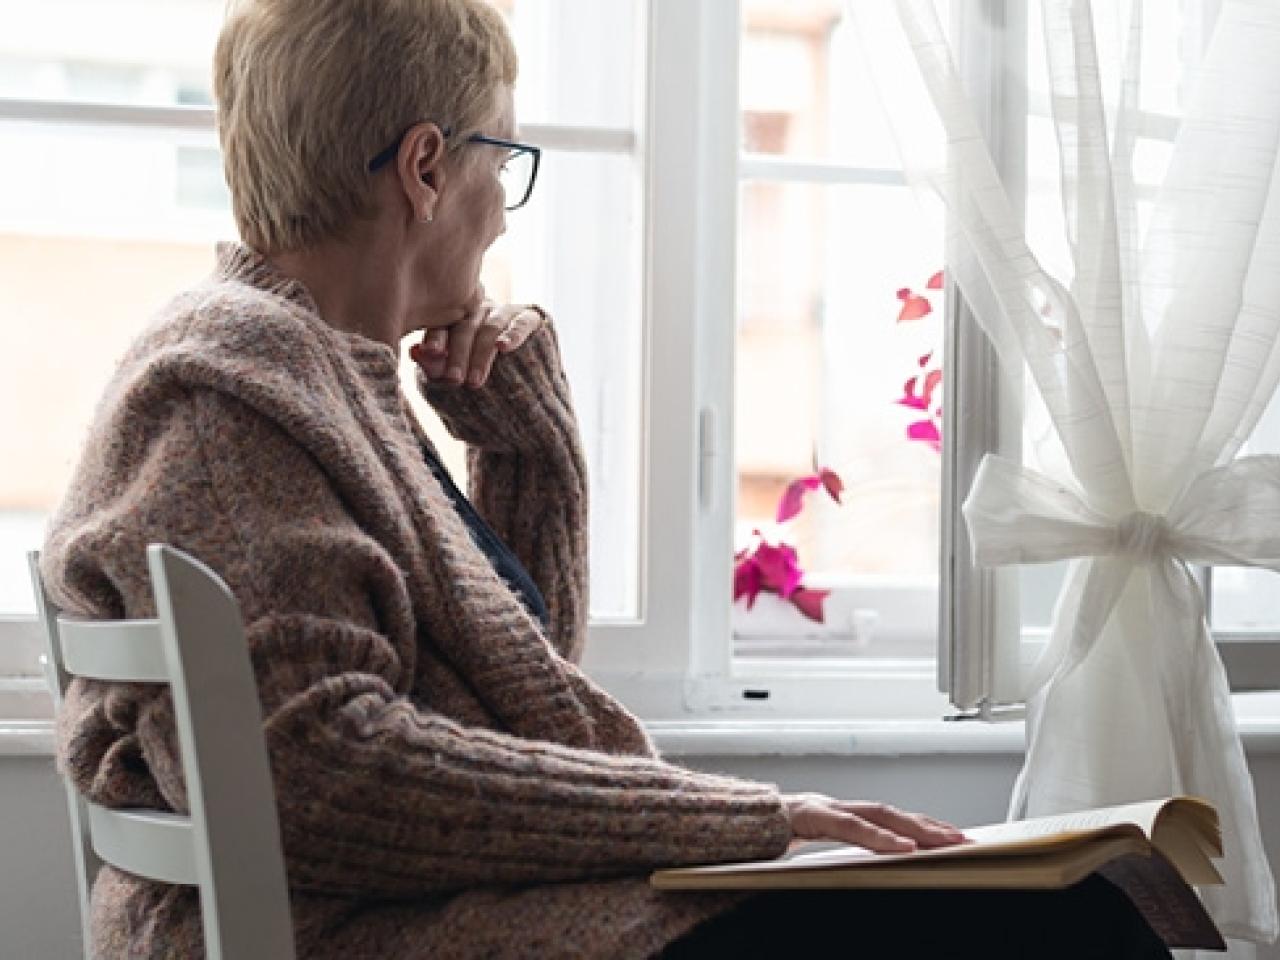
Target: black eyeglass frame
(516, 147)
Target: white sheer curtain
(1154, 356)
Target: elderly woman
(448, 782)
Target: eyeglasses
(517, 174)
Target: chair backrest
(229, 845)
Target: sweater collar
(377, 363)
(239, 261)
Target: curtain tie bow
(1227, 515)
(1143, 536)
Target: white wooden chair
(229, 846)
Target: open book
(1154, 851)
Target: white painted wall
(37, 901)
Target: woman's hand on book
(875, 826)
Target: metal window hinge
(706, 456)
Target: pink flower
(918, 392)
(926, 431)
(809, 602)
(776, 568)
(793, 497)
(913, 306)
(834, 485)
(779, 571)
(746, 578)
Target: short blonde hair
(308, 91)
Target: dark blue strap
(505, 563)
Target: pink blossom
(926, 431)
(913, 306)
(746, 579)
(779, 571)
(831, 480)
(793, 496)
(809, 602)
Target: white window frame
(676, 661)
(22, 692)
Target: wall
(38, 918)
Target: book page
(1143, 815)
(1018, 836)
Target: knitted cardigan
(448, 783)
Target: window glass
(804, 86)
(157, 53)
(153, 52)
(112, 221)
(823, 363)
(1247, 600)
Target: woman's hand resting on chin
(876, 826)
(463, 352)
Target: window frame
(677, 660)
(195, 125)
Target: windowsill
(1257, 716)
(835, 738)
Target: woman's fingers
(924, 831)
(462, 337)
(464, 352)
(865, 833)
(524, 324)
(875, 826)
(436, 342)
(818, 817)
(485, 346)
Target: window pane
(71, 305)
(821, 361)
(563, 42)
(158, 52)
(83, 267)
(580, 256)
(154, 52)
(116, 184)
(805, 88)
(1246, 600)
(821, 364)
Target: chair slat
(125, 650)
(230, 845)
(145, 842)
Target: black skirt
(1092, 920)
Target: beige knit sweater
(449, 784)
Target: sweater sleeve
(522, 438)
(378, 796)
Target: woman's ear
(420, 165)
